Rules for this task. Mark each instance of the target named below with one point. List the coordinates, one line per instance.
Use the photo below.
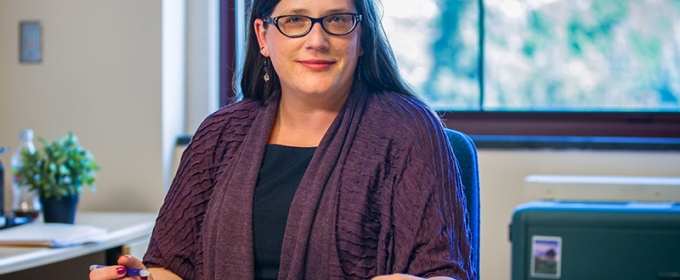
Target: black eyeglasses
(295, 26)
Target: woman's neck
(302, 121)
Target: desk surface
(122, 228)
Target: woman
(328, 168)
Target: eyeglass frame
(275, 21)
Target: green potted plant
(58, 173)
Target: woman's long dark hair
(377, 66)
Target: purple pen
(129, 271)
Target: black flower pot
(59, 210)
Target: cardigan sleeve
(430, 221)
(176, 243)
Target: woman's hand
(118, 271)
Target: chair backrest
(466, 156)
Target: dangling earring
(266, 72)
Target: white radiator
(602, 188)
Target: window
(543, 67)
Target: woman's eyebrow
(335, 11)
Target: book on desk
(51, 235)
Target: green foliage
(60, 169)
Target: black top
(280, 175)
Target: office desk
(73, 262)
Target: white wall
(101, 78)
(202, 61)
(174, 82)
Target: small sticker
(546, 255)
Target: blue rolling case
(596, 240)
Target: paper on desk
(51, 235)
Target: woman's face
(318, 63)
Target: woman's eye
(293, 19)
(337, 19)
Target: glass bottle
(26, 203)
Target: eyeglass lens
(295, 25)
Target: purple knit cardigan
(381, 195)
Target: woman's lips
(316, 64)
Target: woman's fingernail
(120, 270)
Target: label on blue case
(546, 255)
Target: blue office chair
(466, 156)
